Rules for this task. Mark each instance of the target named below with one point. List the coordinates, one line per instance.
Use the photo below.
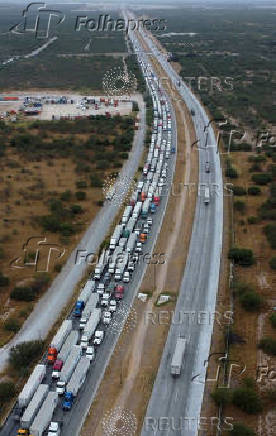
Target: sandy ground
(128, 382)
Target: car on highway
(112, 306)
(99, 336)
(90, 352)
(60, 388)
(126, 277)
(107, 317)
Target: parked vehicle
(112, 306)
(126, 277)
(107, 317)
(90, 305)
(116, 236)
(44, 416)
(57, 368)
(131, 243)
(145, 208)
(68, 401)
(90, 327)
(100, 265)
(71, 340)
(119, 292)
(90, 353)
(54, 429)
(79, 376)
(70, 364)
(31, 386)
(60, 387)
(34, 406)
(207, 195)
(59, 339)
(99, 336)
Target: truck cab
(54, 429)
(119, 292)
(84, 341)
(57, 368)
(23, 432)
(99, 336)
(105, 299)
(52, 355)
(90, 353)
(60, 388)
(79, 308)
(107, 317)
(68, 401)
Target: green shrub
(12, 325)
(272, 319)
(58, 267)
(96, 181)
(241, 256)
(76, 209)
(7, 391)
(247, 400)
(239, 190)
(268, 345)
(23, 355)
(80, 195)
(231, 172)
(221, 396)
(254, 190)
(66, 195)
(81, 184)
(240, 206)
(261, 179)
(4, 281)
(242, 430)
(23, 294)
(270, 232)
(253, 220)
(272, 263)
(251, 301)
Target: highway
(50, 305)
(175, 404)
(73, 419)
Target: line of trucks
(71, 352)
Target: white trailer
(90, 305)
(100, 266)
(34, 405)
(116, 236)
(131, 242)
(86, 291)
(145, 208)
(79, 376)
(207, 195)
(70, 364)
(177, 358)
(71, 340)
(63, 332)
(31, 386)
(44, 416)
(114, 259)
(90, 327)
(120, 267)
(126, 214)
(137, 209)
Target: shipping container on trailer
(62, 334)
(34, 405)
(78, 376)
(71, 340)
(30, 387)
(44, 416)
(70, 363)
(90, 305)
(131, 242)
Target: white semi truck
(116, 236)
(177, 359)
(71, 340)
(31, 386)
(90, 327)
(34, 405)
(44, 416)
(78, 376)
(70, 364)
(61, 335)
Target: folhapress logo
(39, 20)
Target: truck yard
(134, 236)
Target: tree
(268, 345)
(261, 179)
(247, 400)
(76, 209)
(23, 355)
(231, 172)
(241, 256)
(251, 301)
(239, 190)
(272, 319)
(66, 195)
(272, 263)
(23, 294)
(96, 181)
(254, 190)
(80, 195)
(240, 206)
(7, 391)
(270, 232)
(12, 325)
(241, 430)
(221, 396)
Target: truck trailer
(78, 376)
(71, 340)
(116, 236)
(70, 364)
(63, 332)
(31, 386)
(34, 405)
(176, 363)
(44, 416)
(90, 327)
(90, 305)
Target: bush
(4, 281)
(239, 190)
(7, 391)
(254, 190)
(241, 256)
(23, 355)
(58, 267)
(272, 263)
(81, 184)
(268, 345)
(251, 301)
(272, 319)
(76, 209)
(66, 195)
(96, 181)
(80, 195)
(231, 172)
(240, 206)
(221, 396)
(23, 294)
(247, 400)
(11, 325)
(270, 232)
(261, 179)
(253, 220)
(242, 430)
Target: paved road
(73, 420)
(175, 404)
(49, 307)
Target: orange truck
(142, 237)
(52, 355)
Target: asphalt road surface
(175, 404)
